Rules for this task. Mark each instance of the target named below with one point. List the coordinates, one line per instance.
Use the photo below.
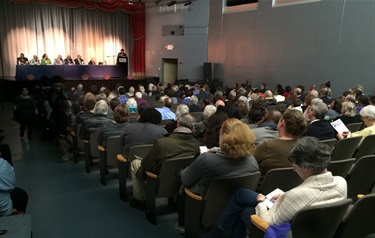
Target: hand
(260, 197)
(274, 198)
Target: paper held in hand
(269, 201)
(339, 126)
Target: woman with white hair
(93, 123)
(348, 113)
(139, 99)
(368, 117)
(201, 127)
(132, 105)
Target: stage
(10, 88)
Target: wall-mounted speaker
(208, 69)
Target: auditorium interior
(288, 42)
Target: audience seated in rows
(166, 112)
(146, 131)
(368, 117)
(318, 127)
(310, 159)
(234, 157)
(163, 149)
(114, 127)
(267, 127)
(274, 153)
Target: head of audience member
(121, 114)
(268, 94)
(181, 109)
(362, 100)
(317, 111)
(186, 120)
(239, 110)
(257, 111)
(131, 91)
(309, 156)
(350, 98)
(211, 137)
(296, 102)
(138, 95)
(194, 100)
(336, 104)
(207, 112)
(114, 103)
(219, 103)
(236, 139)
(359, 90)
(141, 107)
(89, 104)
(314, 93)
(150, 115)
(271, 116)
(348, 109)
(101, 108)
(368, 115)
(297, 91)
(292, 124)
(132, 105)
(168, 102)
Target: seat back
(283, 178)
(197, 115)
(169, 180)
(341, 167)
(138, 150)
(94, 152)
(345, 148)
(359, 222)
(367, 147)
(330, 142)
(353, 127)
(319, 221)
(80, 145)
(361, 177)
(114, 147)
(220, 191)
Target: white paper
(268, 201)
(203, 149)
(339, 126)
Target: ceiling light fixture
(158, 1)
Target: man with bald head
(267, 128)
(165, 111)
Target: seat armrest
(259, 222)
(151, 175)
(193, 195)
(85, 141)
(101, 148)
(72, 133)
(121, 158)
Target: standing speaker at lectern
(122, 60)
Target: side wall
(330, 40)
(190, 49)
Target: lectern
(122, 61)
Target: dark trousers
(19, 199)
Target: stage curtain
(139, 43)
(136, 13)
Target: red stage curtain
(137, 19)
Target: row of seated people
(296, 128)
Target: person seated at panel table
(35, 60)
(92, 61)
(78, 60)
(58, 61)
(22, 59)
(68, 60)
(45, 60)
